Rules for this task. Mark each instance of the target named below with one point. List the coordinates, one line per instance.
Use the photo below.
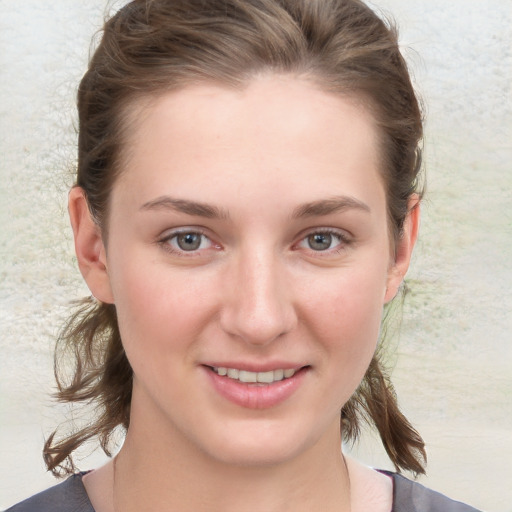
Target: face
(249, 261)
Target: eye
(186, 241)
(320, 241)
(189, 241)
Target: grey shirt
(408, 496)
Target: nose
(258, 306)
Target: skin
(271, 161)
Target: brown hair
(153, 46)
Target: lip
(256, 396)
(256, 367)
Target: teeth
(255, 377)
(266, 377)
(244, 376)
(279, 374)
(232, 373)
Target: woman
(246, 204)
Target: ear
(403, 249)
(89, 247)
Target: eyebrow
(329, 206)
(312, 209)
(185, 206)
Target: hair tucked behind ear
(150, 47)
(375, 402)
(101, 375)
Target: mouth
(248, 377)
(256, 389)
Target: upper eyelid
(345, 239)
(342, 233)
(172, 232)
(169, 234)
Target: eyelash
(343, 242)
(166, 242)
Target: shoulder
(68, 496)
(409, 496)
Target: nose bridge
(260, 309)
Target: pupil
(189, 241)
(320, 241)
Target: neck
(162, 470)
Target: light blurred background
(453, 355)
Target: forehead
(279, 130)
(284, 104)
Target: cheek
(345, 312)
(159, 311)
(153, 304)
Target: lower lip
(256, 396)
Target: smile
(256, 389)
(255, 377)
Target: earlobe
(89, 246)
(404, 248)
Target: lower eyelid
(201, 242)
(342, 238)
(166, 241)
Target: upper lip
(256, 367)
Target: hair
(150, 47)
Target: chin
(257, 456)
(261, 446)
